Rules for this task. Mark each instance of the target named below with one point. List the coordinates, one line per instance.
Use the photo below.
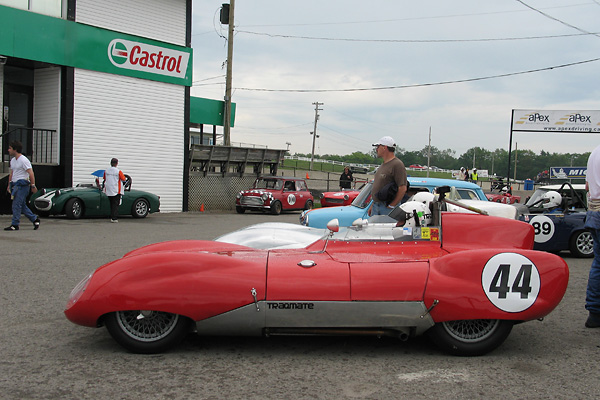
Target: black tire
(147, 332)
(140, 208)
(74, 208)
(309, 205)
(240, 210)
(470, 337)
(581, 244)
(276, 207)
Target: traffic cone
(307, 177)
(202, 207)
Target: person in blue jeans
(21, 179)
(592, 222)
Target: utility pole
(429, 153)
(227, 105)
(516, 154)
(314, 133)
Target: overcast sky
(349, 50)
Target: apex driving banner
(556, 121)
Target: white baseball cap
(385, 141)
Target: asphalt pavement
(44, 356)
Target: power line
(411, 18)
(555, 19)
(415, 40)
(421, 84)
(208, 79)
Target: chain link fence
(218, 192)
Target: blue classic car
(318, 218)
(559, 226)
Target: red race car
(462, 279)
(505, 198)
(342, 198)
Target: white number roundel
(543, 227)
(291, 199)
(511, 282)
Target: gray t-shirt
(388, 172)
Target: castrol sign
(148, 58)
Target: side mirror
(334, 225)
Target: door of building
(17, 114)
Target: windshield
(467, 194)
(536, 196)
(570, 197)
(364, 197)
(262, 183)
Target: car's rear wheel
(581, 244)
(470, 337)
(240, 210)
(276, 207)
(141, 331)
(140, 208)
(74, 208)
(309, 205)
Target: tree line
(528, 163)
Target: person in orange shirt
(113, 187)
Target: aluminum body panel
(247, 321)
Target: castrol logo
(148, 58)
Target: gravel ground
(44, 356)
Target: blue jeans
(592, 296)
(380, 209)
(19, 190)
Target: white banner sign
(556, 121)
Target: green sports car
(88, 200)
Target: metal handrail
(38, 144)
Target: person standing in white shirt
(113, 187)
(21, 179)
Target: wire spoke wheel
(147, 326)
(142, 331)
(471, 330)
(473, 337)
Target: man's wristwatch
(33, 185)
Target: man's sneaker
(36, 224)
(12, 228)
(593, 320)
(114, 220)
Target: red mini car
(275, 194)
(464, 280)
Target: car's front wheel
(276, 207)
(582, 244)
(309, 205)
(74, 208)
(147, 332)
(470, 337)
(240, 210)
(140, 208)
